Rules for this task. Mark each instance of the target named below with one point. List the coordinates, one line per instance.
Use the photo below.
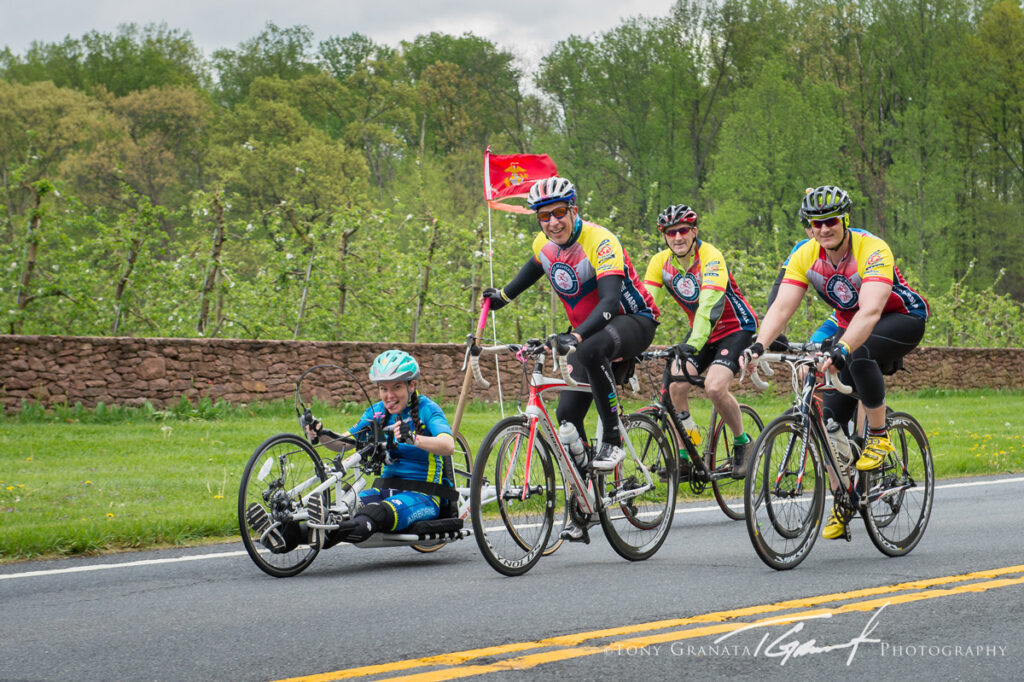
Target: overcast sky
(528, 28)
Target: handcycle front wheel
(637, 526)
(512, 496)
(729, 491)
(462, 465)
(899, 492)
(784, 493)
(282, 470)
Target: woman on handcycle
(412, 483)
(722, 323)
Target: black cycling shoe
(739, 459)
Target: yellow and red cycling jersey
(721, 311)
(868, 260)
(574, 272)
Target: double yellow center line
(461, 664)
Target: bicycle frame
(809, 404)
(539, 419)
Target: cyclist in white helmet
(611, 313)
(423, 438)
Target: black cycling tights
(895, 335)
(625, 336)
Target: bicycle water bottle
(691, 427)
(570, 438)
(840, 443)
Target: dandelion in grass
(110, 515)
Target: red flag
(513, 175)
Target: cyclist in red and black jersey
(611, 312)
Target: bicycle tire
(560, 514)
(783, 511)
(500, 491)
(899, 493)
(637, 527)
(460, 458)
(729, 491)
(299, 470)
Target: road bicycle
(798, 454)
(713, 466)
(291, 499)
(513, 492)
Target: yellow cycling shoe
(876, 449)
(835, 528)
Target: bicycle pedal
(257, 518)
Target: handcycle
(713, 466)
(797, 455)
(291, 499)
(513, 488)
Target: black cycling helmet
(823, 202)
(675, 214)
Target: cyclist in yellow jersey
(722, 323)
(611, 312)
(881, 318)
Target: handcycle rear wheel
(729, 491)
(282, 470)
(513, 497)
(462, 465)
(899, 492)
(637, 527)
(784, 493)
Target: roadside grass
(76, 481)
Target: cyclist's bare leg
(716, 383)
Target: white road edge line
(225, 555)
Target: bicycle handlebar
(670, 354)
(808, 354)
(532, 348)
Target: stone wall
(129, 371)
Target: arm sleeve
(527, 276)
(609, 288)
(828, 328)
(656, 291)
(775, 287)
(709, 298)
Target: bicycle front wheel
(512, 496)
(728, 490)
(271, 507)
(899, 492)
(641, 491)
(784, 494)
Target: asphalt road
(952, 609)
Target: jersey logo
(711, 267)
(874, 262)
(564, 279)
(605, 249)
(841, 292)
(686, 286)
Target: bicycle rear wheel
(899, 493)
(512, 497)
(784, 494)
(729, 491)
(271, 509)
(462, 466)
(637, 525)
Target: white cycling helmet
(550, 190)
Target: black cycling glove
(496, 297)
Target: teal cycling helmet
(394, 365)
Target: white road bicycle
(513, 493)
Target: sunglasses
(556, 213)
(673, 231)
(827, 222)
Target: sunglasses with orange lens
(556, 213)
